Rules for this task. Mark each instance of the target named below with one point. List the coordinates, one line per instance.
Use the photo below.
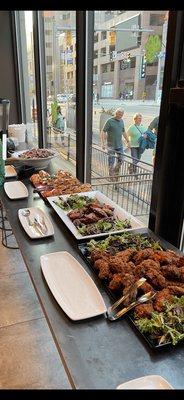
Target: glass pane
(28, 71)
(128, 68)
(60, 55)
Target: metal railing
(132, 191)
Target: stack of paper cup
(18, 131)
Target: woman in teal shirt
(134, 132)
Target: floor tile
(29, 358)
(18, 300)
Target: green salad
(121, 242)
(166, 326)
(73, 201)
(103, 226)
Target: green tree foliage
(54, 111)
(152, 48)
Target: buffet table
(96, 353)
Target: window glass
(129, 76)
(60, 55)
(28, 94)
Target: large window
(130, 78)
(60, 56)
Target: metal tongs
(145, 297)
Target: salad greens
(166, 326)
(121, 242)
(104, 226)
(73, 201)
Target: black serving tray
(152, 343)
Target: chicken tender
(176, 290)
(126, 255)
(165, 257)
(171, 271)
(144, 310)
(142, 255)
(160, 298)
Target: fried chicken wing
(144, 310)
(160, 298)
(176, 290)
(142, 255)
(171, 271)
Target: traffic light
(128, 57)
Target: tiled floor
(28, 355)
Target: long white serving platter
(119, 212)
(72, 287)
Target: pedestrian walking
(111, 139)
(134, 132)
(59, 124)
(97, 97)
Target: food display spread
(90, 216)
(121, 260)
(61, 183)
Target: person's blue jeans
(111, 155)
(136, 155)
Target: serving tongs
(145, 297)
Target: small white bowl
(146, 382)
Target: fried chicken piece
(118, 265)
(98, 264)
(144, 310)
(103, 270)
(156, 279)
(169, 282)
(142, 255)
(160, 298)
(171, 271)
(145, 266)
(165, 257)
(97, 254)
(121, 280)
(180, 262)
(176, 290)
(116, 282)
(126, 255)
(150, 271)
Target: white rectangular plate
(10, 171)
(72, 287)
(118, 212)
(35, 212)
(16, 190)
(146, 382)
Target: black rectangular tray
(83, 250)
